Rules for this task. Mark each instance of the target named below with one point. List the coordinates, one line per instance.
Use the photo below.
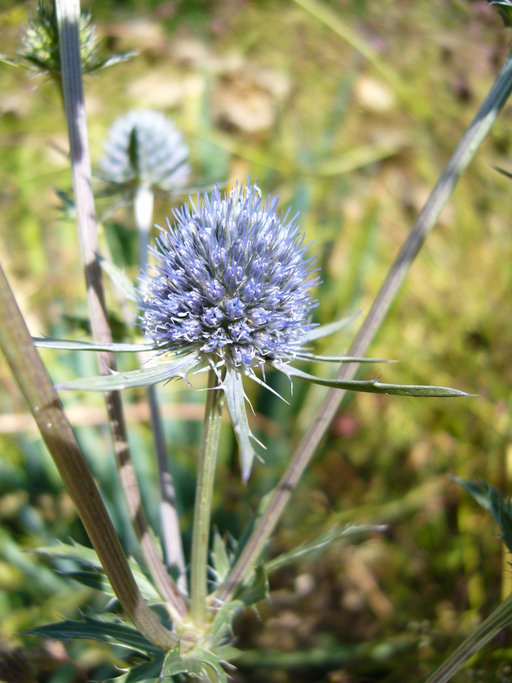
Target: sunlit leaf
(72, 345)
(200, 664)
(235, 400)
(143, 377)
(119, 279)
(372, 386)
(330, 328)
(88, 560)
(220, 558)
(339, 359)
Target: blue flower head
(230, 281)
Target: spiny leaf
(313, 546)
(148, 672)
(330, 328)
(220, 558)
(88, 560)
(200, 663)
(119, 278)
(339, 359)
(94, 629)
(494, 502)
(372, 386)
(255, 589)
(178, 367)
(235, 400)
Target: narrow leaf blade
(235, 400)
(119, 279)
(142, 377)
(72, 345)
(372, 386)
(330, 328)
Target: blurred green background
(348, 110)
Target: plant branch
(68, 13)
(56, 431)
(464, 153)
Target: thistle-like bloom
(145, 148)
(230, 282)
(230, 290)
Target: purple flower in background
(144, 147)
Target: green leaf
(330, 328)
(222, 627)
(494, 502)
(339, 359)
(88, 559)
(143, 377)
(148, 672)
(220, 558)
(255, 589)
(4, 59)
(72, 345)
(504, 8)
(235, 399)
(119, 279)
(372, 386)
(200, 663)
(114, 633)
(317, 544)
(117, 59)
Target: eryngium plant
(145, 148)
(230, 290)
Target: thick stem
(56, 431)
(203, 502)
(171, 537)
(466, 150)
(68, 13)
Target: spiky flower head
(230, 280)
(144, 147)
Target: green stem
(56, 431)
(68, 15)
(466, 150)
(203, 502)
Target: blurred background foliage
(348, 110)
